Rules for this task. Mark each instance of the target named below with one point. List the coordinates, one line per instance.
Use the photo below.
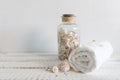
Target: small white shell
(64, 67)
(54, 69)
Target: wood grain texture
(24, 66)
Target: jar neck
(68, 22)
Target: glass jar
(68, 36)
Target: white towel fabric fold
(90, 57)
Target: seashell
(55, 69)
(68, 43)
(71, 33)
(64, 66)
(63, 31)
(68, 40)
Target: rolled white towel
(90, 57)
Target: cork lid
(68, 18)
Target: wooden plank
(24, 66)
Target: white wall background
(31, 25)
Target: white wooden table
(32, 66)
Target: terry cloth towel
(90, 57)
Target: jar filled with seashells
(68, 36)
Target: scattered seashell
(55, 69)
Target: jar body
(68, 39)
